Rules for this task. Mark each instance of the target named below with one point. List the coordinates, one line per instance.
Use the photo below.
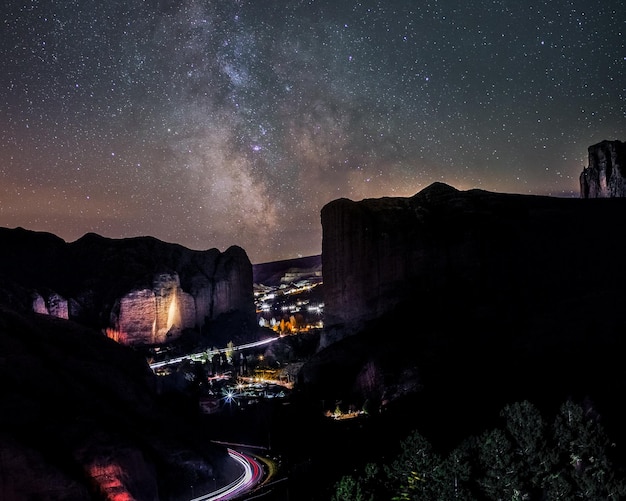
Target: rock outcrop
(605, 176)
(141, 291)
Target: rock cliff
(469, 300)
(605, 176)
(473, 249)
(141, 291)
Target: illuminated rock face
(123, 475)
(605, 176)
(150, 316)
(187, 311)
(54, 305)
(168, 316)
(39, 305)
(137, 316)
(58, 306)
(138, 290)
(162, 312)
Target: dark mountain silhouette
(445, 306)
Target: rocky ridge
(141, 291)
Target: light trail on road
(177, 360)
(252, 474)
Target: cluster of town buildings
(291, 307)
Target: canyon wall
(473, 253)
(141, 291)
(448, 305)
(605, 176)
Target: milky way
(218, 123)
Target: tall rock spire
(605, 176)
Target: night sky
(213, 123)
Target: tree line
(524, 459)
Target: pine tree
(583, 453)
(348, 488)
(523, 460)
(527, 430)
(500, 477)
(417, 472)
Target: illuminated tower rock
(39, 304)
(55, 305)
(605, 176)
(148, 316)
(199, 292)
(175, 309)
(136, 319)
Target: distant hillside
(276, 272)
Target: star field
(213, 123)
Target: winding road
(252, 474)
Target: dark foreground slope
(80, 417)
(446, 306)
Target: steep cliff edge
(141, 291)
